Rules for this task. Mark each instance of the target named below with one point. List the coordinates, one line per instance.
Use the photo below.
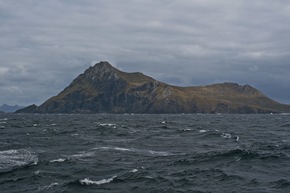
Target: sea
(64, 153)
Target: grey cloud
(45, 44)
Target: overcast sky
(44, 45)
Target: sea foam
(108, 124)
(58, 160)
(134, 150)
(226, 135)
(49, 186)
(10, 159)
(87, 181)
(134, 171)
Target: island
(105, 89)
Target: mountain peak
(103, 65)
(104, 70)
(100, 71)
(8, 108)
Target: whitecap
(103, 148)
(49, 186)
(10, 159)
(238, 158)
(163, 122)
(113, 148)
(159, 153)
(134, 171)
(122, 149)
(226, 135)
(87, 181)
(108, 124)
(35, 162)
(57, 160)
(134, 150)
(185, 129)
(285, 113)
(82, 155)
(202, 131)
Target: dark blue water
(144, 153)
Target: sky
(44, 45)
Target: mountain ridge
(105, 89)
(10, 108)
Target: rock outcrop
(104, 89)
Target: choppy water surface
(144, 153)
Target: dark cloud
(45, 44)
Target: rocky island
(105, 89)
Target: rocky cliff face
(105, 89)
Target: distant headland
(105, 89)
(5, 108)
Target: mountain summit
(105, 89)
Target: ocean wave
(134, 171)
(242, 154)
(108, 125)
(12, 159)
(191, 155)
(280, 184)
(206, 134)
(187, 176)
(159, 153)
(48, 186)
(226, 135)
(58, 160)
(287, 124)
(234, 155)
(134, 150)
(270, 146)
(87, 181)
(81, 156)
(94, 152)
(186, 130)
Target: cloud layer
(45, 44)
